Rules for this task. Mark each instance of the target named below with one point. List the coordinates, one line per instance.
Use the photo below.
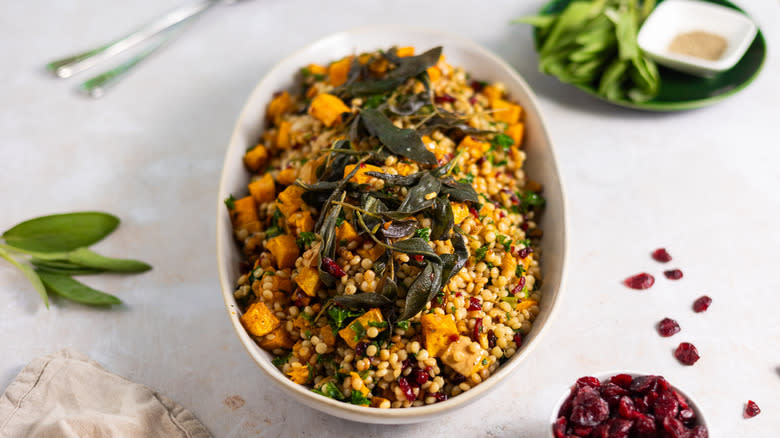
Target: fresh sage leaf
(73, 290)
(61, 232)
(63, 267)
(28, 272)
(90, 259)
(405, 142)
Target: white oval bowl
(606, 375)
(540, 165)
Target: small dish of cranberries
(625, 404)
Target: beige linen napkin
(68, 395)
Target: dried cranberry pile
(625, 406)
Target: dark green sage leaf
(416, 200)
(400, 229)
(73, 290)
(422, 290)
(63, 267)
(404, 142)
(442, 220)
(407, 67)
(90, 259)
(459, 191)
(416, 246)
(366, 300)
(61, 232)
(455, 262)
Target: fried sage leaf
(442, 220)
(76, 291)
(327, 233)
(407, 67)
(61, 232)
(419, 198)
(364, 300)
(405, 142)
(459, 191)
(422, 290)
(400, 229)
(454, 262)
(416, 246)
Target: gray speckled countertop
(703, 183)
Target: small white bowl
(701, 420)
(540, 166)
(674, 17)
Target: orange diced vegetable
(356, 330)
(525, 304)
(506, 111)
(308, 279)
(459, 212)
(377, 401)
(346, 231)
(360, 384)
(263, 189)
(461, 359)
(299, 374)
(256, 158)
(259, 320)
(434, 74)
(438, 331)
(244, 214)
(317, 69)
(278, 106)
(281, 284)
(301, 220)
(284, 250)
(405, 51)
(360, 176)
(516, 133)
(508, 265)
(372, 253)
(328, 109)
(278, 338)
(283, 135)
(287, 176)
(327, 336)
(338, 71)
(476, 148)
(492, 92)
(289, 200)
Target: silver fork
(166, 24)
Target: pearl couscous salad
(389, 235)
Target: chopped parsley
(305, 239)
(530, 200)
(503, 141)
(468, 179)
(273, 232)
(358, 329)
(374, 101)
(357, 398)
(403, 325)
(230, 202)
(339, 221)
(481, 252)
(505, 241)
(377, 324)
(423, 233)
(338, 315)
(306, 73)
(519, 270)
(281, 360)
(330, 390)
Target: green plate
(680, 91)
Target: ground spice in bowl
(699, 44)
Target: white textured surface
(702, 183)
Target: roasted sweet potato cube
(377, 401)
(405, 51)
(346, 231)
(515, 132)
(278, 338)
(338, 71)
(255, 158)
(308, 279)
(259, 320)
(461, 359)
(327, 336)
(434, 74)
(506, 111)
(284, 250)
(356, 330)
(283, 135)
(317, 69)
(360, 176)
(301, 221)
(508, 265)
(289, 200)
(244, 215)
(328, 109)
(287, 176)
(280, 104)
(460, 212)
(263, 189)
(372, 253)
(308, 172)
(525, 304)
(360, 384)
(492, 92)
(475, 147)
(299, 373)
(438, 331)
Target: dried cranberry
(751, 409)
(699, 432)
(492, 339)
(619, 427)
(406, 363)
(665, 405)
(687, 353)
(477, 85)
(643, 384)
(702, 304)
(446, 98)
(639, 281)
(600, 431)
(520, 285)
(626, 408)
(457, 378)
(360, 348)
(439, 396)
(588, 381)
(523, 252)
(641, 405)
(612, 393)
(418, 257)
(473, 212)
(589, 409)
(581, 430)
(622, 380)
(524, 226)
(474, 304)
(477, 329)
(644, 426)
(518, 338)
(406, 389)
(472, 100)
(565, 409)
(674, 428)
(454, 338)
(668, 327)
(559, 427)
(332, 268)
(681, 400)
(419, 376)
(660, 255)
(673, 274)
(686, 415)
